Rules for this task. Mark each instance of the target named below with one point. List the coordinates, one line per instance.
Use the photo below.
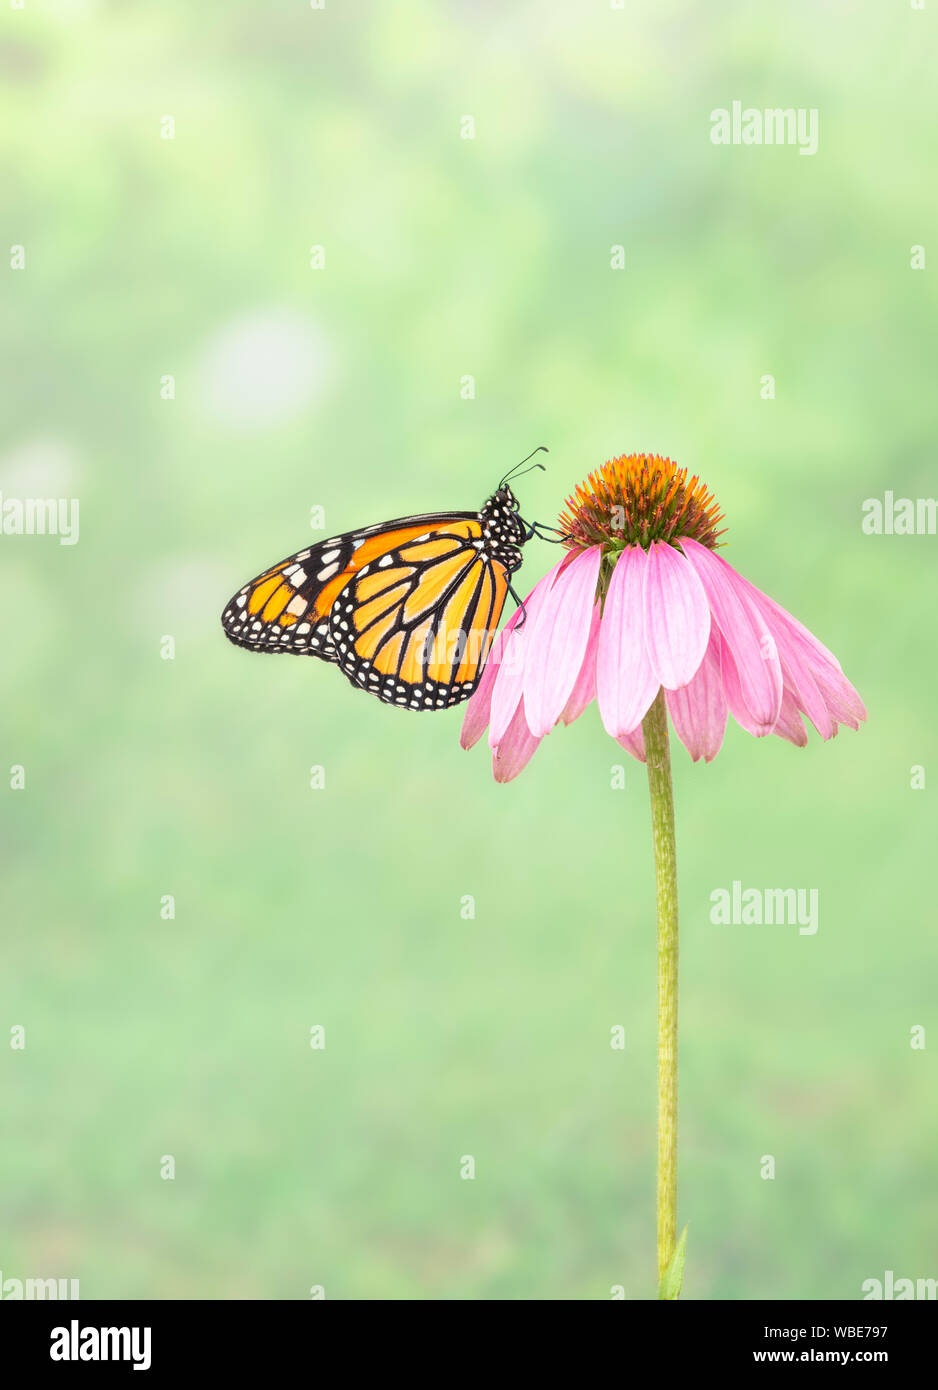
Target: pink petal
(626, 682)
(677, 616)
(815, 674)
(734, 697)
(747, 637)
(558, 640)
(801, 685)
(840, 697)
(789, 726)
(480, 701)
(798, 630)
(698, 710)
(584, 692)
(633, 743)
(800, 682)
(797, 679)
(506, 694)
(516, 748)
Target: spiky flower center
(636, 499)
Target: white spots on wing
(328, 572)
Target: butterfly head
(501, 512)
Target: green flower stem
(655, 731)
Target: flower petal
(814, 673)
(802, 687)
(506, 693)
(584, 692)
(626, 683)
(840, 697)
(677, 616)
(797, 629)
(633, 743)
(698, 710)
(754, 654)
(558, 640)
(515, 749)
(479, 704)
(734, 696)
(788, 725)
(797, 679)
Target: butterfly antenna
(513, 472)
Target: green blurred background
(343, 387)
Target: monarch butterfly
(407, 609)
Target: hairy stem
(657, 752)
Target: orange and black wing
(413, 625)
(286, 609)
(407, 608)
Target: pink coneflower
(643, 615)
(642, 601)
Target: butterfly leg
(520, 602)
(537, 528)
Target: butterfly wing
(413, 625)
(287, 607)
